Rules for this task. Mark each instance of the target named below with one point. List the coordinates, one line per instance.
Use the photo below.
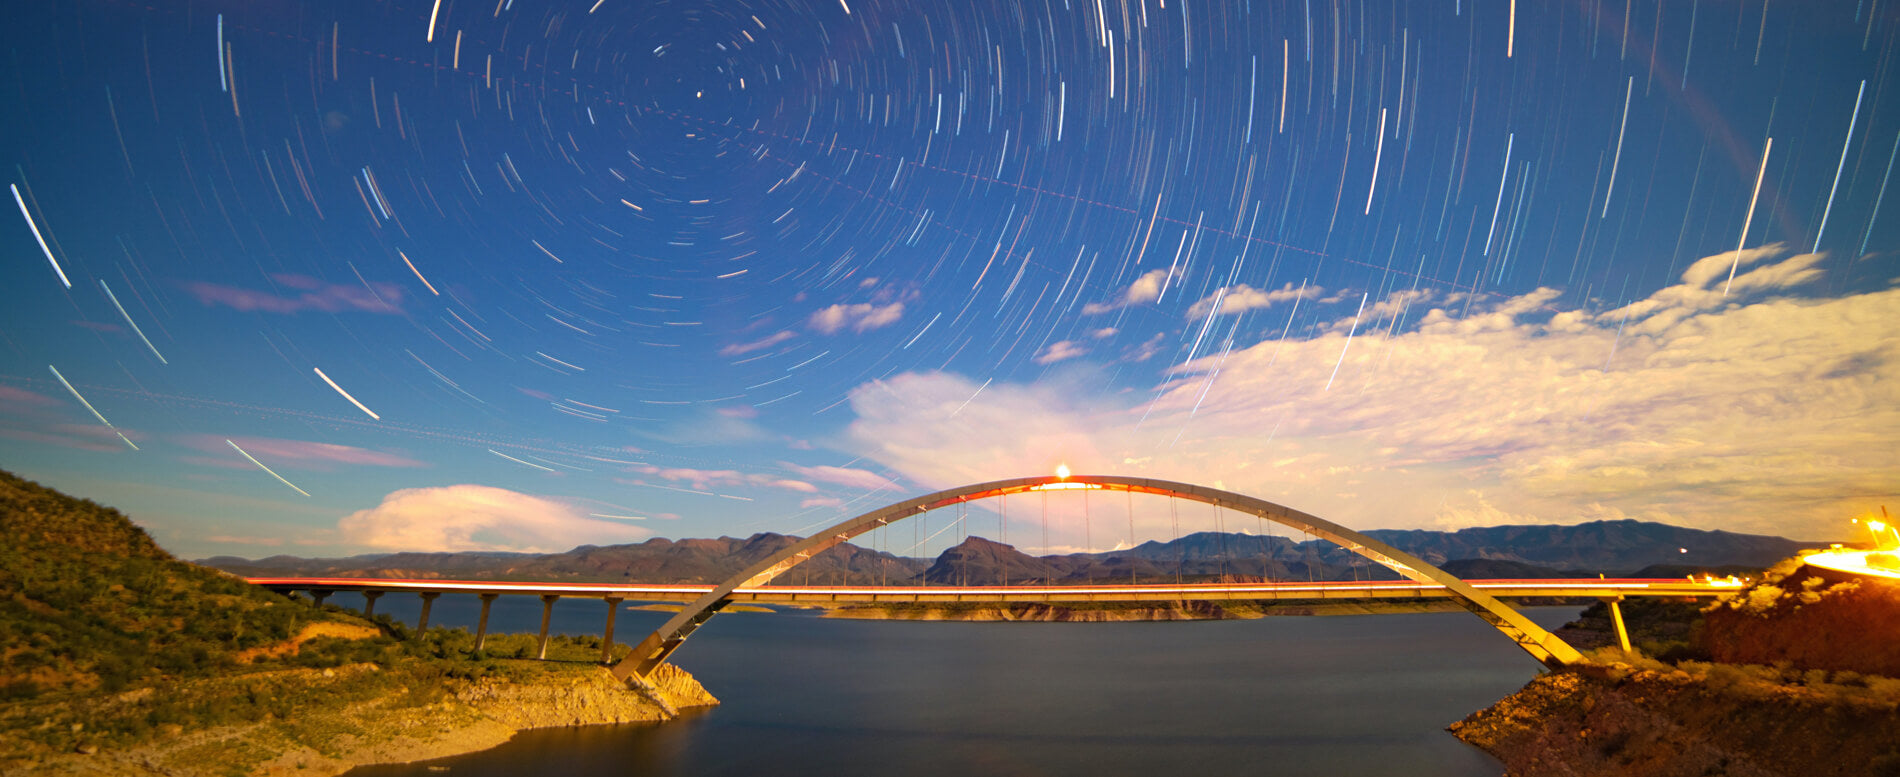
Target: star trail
(751, 265)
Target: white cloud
(1242, 298)
(765, 342)
(478, 518)
(1145, 289)
(861, 317)
(1060, 350)
(940, 430)
(1762, 411)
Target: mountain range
(1624, 547)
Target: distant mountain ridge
(1609, 547)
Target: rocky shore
(463, 716)
(1619, 720)
(1794, 675)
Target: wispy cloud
(711, 480)
(1059, 351)
(1241, 298)
(478, 518)
(315, 295)
(11, 397)
(84, 437)
(849, 477)
(861, 317)
(760, 344)
(300, 454)
(1766, 410)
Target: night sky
(367, 275)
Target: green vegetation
(88, 601)
(298, 693)
(108, 643)
(1753, 680)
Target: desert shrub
(18, 689)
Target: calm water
(1354, 695)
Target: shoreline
(459, 717)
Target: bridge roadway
(784, 594)
(1610, 590)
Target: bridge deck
(774, 594)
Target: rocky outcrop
(1810, 618)
(1621, 721)
(1804, 681)
(591, 698)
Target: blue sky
(366, 276)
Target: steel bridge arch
(650, 653)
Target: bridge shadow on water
(1283, 696)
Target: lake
(803, 695)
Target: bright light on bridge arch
(1062, 472)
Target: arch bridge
(654, 650)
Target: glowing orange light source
(1062, 472)
(1066, 487)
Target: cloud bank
(478, 518)
(1759, 411)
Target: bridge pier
(547, 612)
(1616, 616)
(369, 603)
(607, 638)
(481, 626)
(318, 595)
(428, 601)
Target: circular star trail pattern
(643, 254)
